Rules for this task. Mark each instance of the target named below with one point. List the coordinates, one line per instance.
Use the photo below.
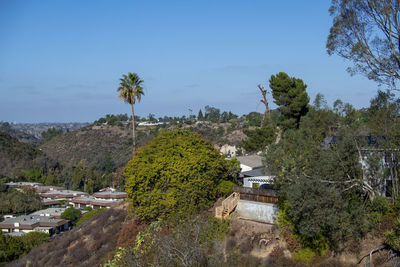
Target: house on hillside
(110, 194)
(228, 150)
(258, 178)
(63, 194)
(40, 189)
(388, 158)
(49, 212)
(29, 223)
(21, 184)
(254, 173)
(105, 198)
(256, 200)
(250, 162)
(90, 201)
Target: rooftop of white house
(30, 222)
(52, 212)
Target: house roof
(256, 172)
(53, 212)
(63, 194)
(96, 202)
(30, 222)
(252, 161)
(46, 188)
(110, 194)
(48, 202)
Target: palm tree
(130, 90)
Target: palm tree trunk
(133, 131)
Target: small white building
(250, 162)
(30, 223)
(228, 150)
(257, 178)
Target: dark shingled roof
(257, 172)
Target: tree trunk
(267, 114)
(133, 132)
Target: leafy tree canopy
(71, 214)
(50, 133)
(12, 247)
(178, 172)
(290, 95)
(367, 32)
(258, 138)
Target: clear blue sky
(61, 61)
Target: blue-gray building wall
(258, 211)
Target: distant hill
(96, 143)
(31, 133)
(93, 144)
(16, 155)
(20, 135)
(36, 129)
(105, 146)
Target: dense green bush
(19, 201)
(12, 247)
(177, 173)
(184, 242)
(71, 214)
(259, 138)
(225, 188)
(392, 237)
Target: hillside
(95, 145)
(90, 244)
(22, 136)
(243, 244)
(15, 155)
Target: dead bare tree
(267, 113)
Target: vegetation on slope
(12, 247)
(15, 155)
(14, 201)
(177, 173)
(20, 135)
(90, 244)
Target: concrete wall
(258, 211)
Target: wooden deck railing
(228, 205)
(256, 194)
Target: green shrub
(304, 255)
(215, 229)
(88, 208)
(375, 217)
(392, 237)
(176, 173)
(85, 217)
(380, 204)
(71, 214)
(225, 188)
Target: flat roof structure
(110, 195)
(21, 184)
(253, 161)
(63, 194)
(46, 188)
(50, 212)
(28, 222)
(89, 200)
(50, 202)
